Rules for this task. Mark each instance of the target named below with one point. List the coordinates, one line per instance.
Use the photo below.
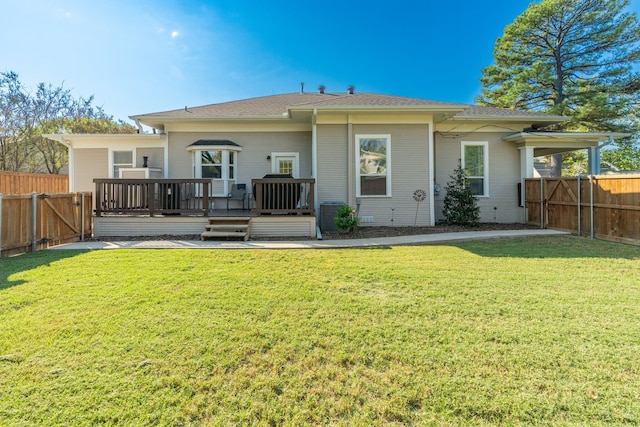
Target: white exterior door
(286, 163)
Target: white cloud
(174, 34)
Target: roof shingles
(279, 105)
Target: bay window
(216, 160)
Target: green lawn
(514, 331)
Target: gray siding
(504, 175)
(89, 163)
(409, 168)
(409, 172)
(252, 160)
(332, 163)
(156, 157)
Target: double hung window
(373, 156)
(475, 162)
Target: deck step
(229, 220)
(226, 227)
(217, 234)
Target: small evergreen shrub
(346, 219)
(460, 204)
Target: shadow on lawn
(549, 247)
(20, 263)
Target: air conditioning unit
(328, 211)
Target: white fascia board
(70, 140)
(498, 118)
(430, 108)
(564, 136)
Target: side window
(475, 162)
(121, 159)
(373, 154)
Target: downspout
(139, 126)
(591, 205)
(314, 167)
(314, 156)
(432, 173)
(351, 175)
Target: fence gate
(606, 207)
(36, 221)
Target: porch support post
(526, 162)
(594, 161)
(165, 160)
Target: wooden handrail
(283, 196)
(152, 196)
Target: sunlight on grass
(514, 331)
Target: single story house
(368, 150)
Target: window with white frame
(121, 159)
(475, 162)
(373, 157)
(217, 164)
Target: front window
(121, 159)
(373, 157)
(475, 163)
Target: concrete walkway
(310, 244)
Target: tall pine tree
(570, 57)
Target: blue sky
(153, 55)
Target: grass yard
(517, 331)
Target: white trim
(296, 162)
(485, 145)
(120, 149)
(224, 167)
(165, 147)
(314, 157)
(432, 175)
(357, 139)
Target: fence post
(0, 225)
(34, 222)
(523, 200)
(541, 202)
(82, 217)
(591, 205)
(579, 228)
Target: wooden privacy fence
(26, 183)
(603, 206)
(29, 222)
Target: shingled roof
(281, 105)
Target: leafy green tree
(569, 57)
(25, 115)
(460, 204)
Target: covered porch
(538, 144)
